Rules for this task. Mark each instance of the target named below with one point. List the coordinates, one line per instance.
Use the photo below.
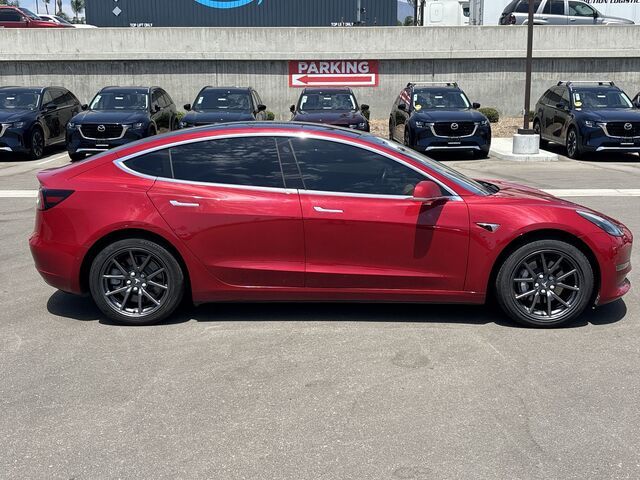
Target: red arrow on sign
(332, 79)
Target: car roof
(25, 89)
(327, 90)
(228, 89)
(126, 89)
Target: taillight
(49, 198)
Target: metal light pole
(527, 88)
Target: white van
(446, 13)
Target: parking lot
(330, 391)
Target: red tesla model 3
(301, 212)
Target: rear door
(226, 199)
(553, 13)
(364, 231)
(50, 115)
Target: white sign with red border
(333, 73)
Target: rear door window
(554, 7)
(245, 161)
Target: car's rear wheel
(136, 282)
(36, 144)
(573, 144)
(538, 130)
(545, 283)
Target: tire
(557, 285)
(391, 132)
(175, 125)
(36, 144)
(407, 138)
(152, 131)
(118, 296)
(480, 154)
(76, 156)
(574, 150)
(536, 128)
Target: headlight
(590, 123)
(72, 126)
(184, 124)
(135, 126)
(17, 124)
(424, 124)
(483, 123)
(606, 225)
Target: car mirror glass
(187, 106)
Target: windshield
(479, 188)
(223, 100)
(19, 100)
(30, 14)
(342, 101)
(593, 99)
(61, 20)
(434, 99)
(120, 101)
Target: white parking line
(18, 193)
(57, 157)
(572, 192)
(594, 192)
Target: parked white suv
(557, 12)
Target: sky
(31, 5)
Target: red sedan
(302, 212)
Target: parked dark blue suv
(32, 118)
(223, 105)
(588, 117)
(119, 115)
(430, 116)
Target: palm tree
(77, 6)
(59, 5)
(46, 5)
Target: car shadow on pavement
(605, 157)
(7, 157)
(83, 309)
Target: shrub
(491, 113)
(269, 115)
(180, 115)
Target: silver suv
(557, 12)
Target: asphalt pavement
(318, 391)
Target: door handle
(326, 210)
(177, 203)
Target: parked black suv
(333, 106)
(588, 117)
(119, 115)
(429, 116)
(32, 118)
(223, 105)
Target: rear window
(523, 6)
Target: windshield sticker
(418, 106)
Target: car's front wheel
(76, 156)
(136, 281)
(574, 149)
(545, 283)
(36, 142)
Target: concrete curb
(502, 149)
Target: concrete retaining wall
(488, 62)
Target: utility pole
(527, 87)
(359, 14)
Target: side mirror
(187, 106)
(636, 102)
(402, 107)
(427, 191)
(156, 108)
(84, 106)
(475, 105)
(364, 107)
(50, 106)
(561, 106)
(292, 108)
(262, 108)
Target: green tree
(408, 21)
(77, 6)
(46, 5)
(13, 3)
(59, 5)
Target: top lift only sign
(333, 73)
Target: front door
(364, 231)
(226, 200)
